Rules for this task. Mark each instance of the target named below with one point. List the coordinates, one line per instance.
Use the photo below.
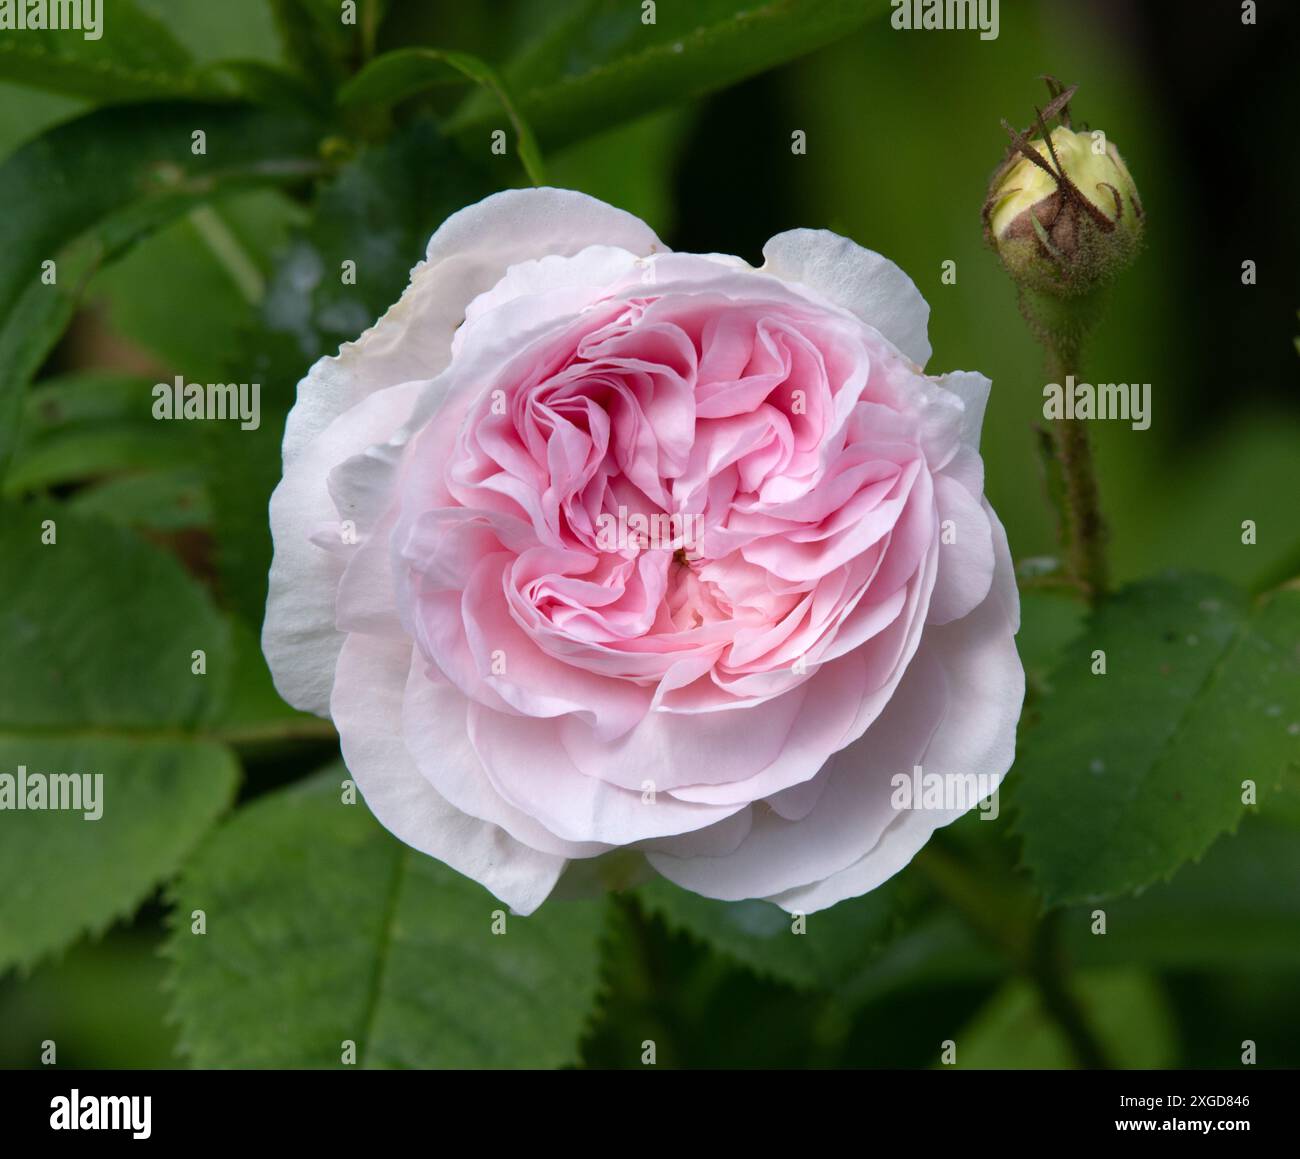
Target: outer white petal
(857, 279)
(367, 708)
(299, 637)
(973, 389)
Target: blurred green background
(902, 135)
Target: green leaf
(1238, 907)
(134, 57)
(26, 113)
(107, 179)
(82, 426)
(264, 84)
(98, 429)
(99, 631)
(76, 455)
(78, 613)
(599, 64)
(137, 58)
(1130, 774)
(161, 501)
(83, 400)
(1013, 1032)
(834, 945)
(226, 31)
(313, 42)
(240, 504)
(66, 875)
(353, 937)
(397, 75)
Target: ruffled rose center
(685, 485)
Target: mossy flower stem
(1062, 325)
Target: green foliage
(855, 953)
(351, 936)
(313, 41)
(102, 1003)
(26, 113)
(140, 60)
(1131, 773)
(1049, 620)
(398, 75)
(600, 64)
(81, 426)
(233, 29)
(107, 179)
(76, 615)
(159, 501)
(144, 60)
(1236, 908)
(92, 604)
(226, 270)
(832, 948)
(1013, 1032)
(66, 875)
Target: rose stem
(1086, 533)
(1061, 325)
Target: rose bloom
(588, 546)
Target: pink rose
(589, 546)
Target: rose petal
(858, 279)
(367, 708)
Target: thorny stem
(1061, 326)
(1085, 543)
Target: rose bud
(1062, 210)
